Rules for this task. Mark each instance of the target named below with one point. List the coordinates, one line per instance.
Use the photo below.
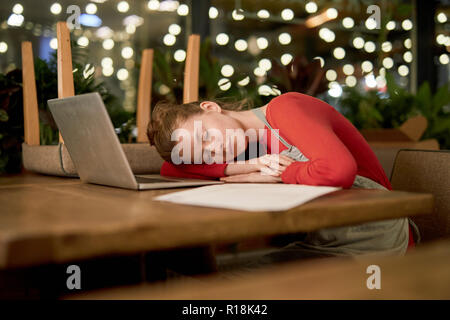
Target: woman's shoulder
(293, 102)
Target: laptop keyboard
(152, 180)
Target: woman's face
(215, 136)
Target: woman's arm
(268, 164)
(304, 121)
(193, 171)
(206, 171)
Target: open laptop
(95, 148)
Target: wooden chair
(386, 154)
(426, 171)
(55, 159)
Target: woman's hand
(254, 177)
(271, 164)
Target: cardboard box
(387, 142)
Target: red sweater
(336, 150)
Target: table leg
(185, 262)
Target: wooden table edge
(55, 252)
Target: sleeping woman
(307, 142)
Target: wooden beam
(30, 104)
(191, 70)
(199, 17)
(144, 95)
(423, 68)
(64, 58)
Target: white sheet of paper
(248, 196)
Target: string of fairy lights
(320, 20)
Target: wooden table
(423, 273)
(55, 220)
(30, 179)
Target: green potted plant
(371, 109)
(11, 121)
(11, 106)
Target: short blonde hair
(166, 116)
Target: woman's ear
(210, 106)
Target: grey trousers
(387, 237)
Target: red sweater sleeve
(304, 121)
(193, 171)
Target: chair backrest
(426, 171)
(65, 81)
(64, 61)
(386, 153)
(191, 69)
(66, 84)
(144, 95)
(190, 88)
(30, 104)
